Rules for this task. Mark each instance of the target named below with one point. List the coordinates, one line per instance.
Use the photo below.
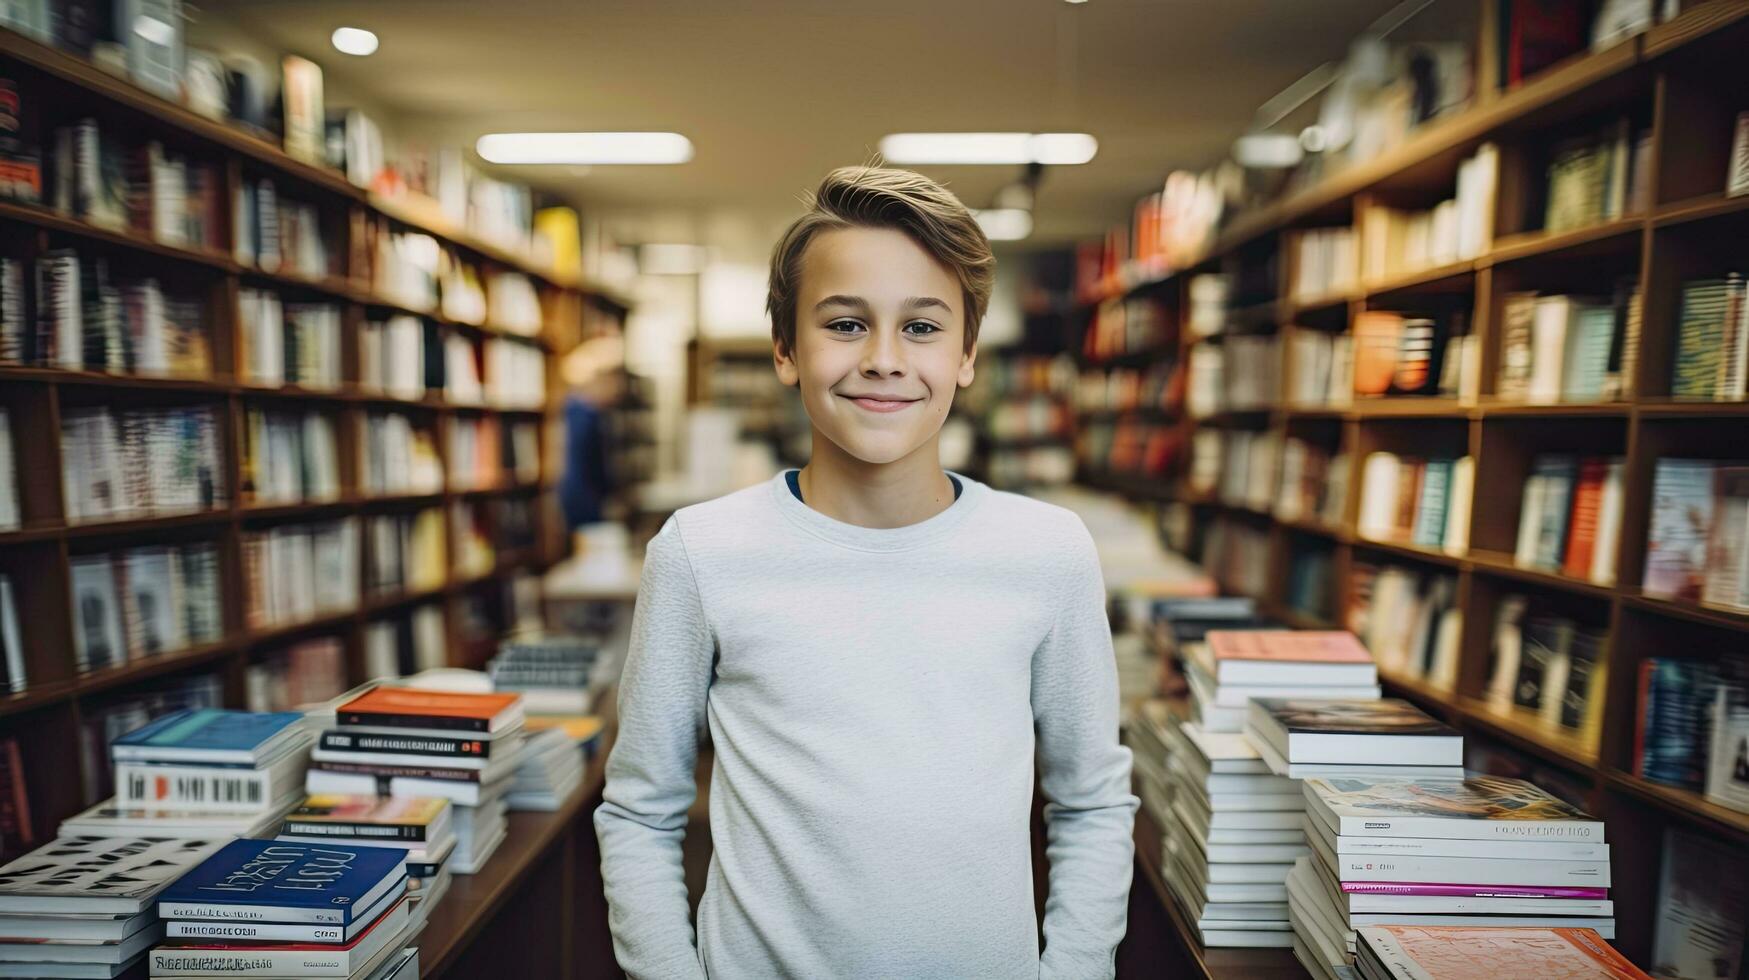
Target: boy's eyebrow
(857, 302)
(840, 300)
(916, 302)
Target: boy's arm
(650, 774)
(1085, 776)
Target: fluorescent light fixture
(1004, 224)
(1066, 149)
(584, 148)
(354, 40)
(671, 259)
(1268, 151)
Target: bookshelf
(1679, 81)
(514, 511)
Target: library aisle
(356, 360)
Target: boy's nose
(883, 356)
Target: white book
(80, 951)
(1418, 847)
(1473, 871)
(1378, 495)
(1224, 752)
(299, 932)
(98, 928)
(8, 477)
(1548, 341)
(1363, 732)
(1476, 808)
(11, 638)
(1325, 770)
(1609, 517)
(1456, 538)
(97, 875)
(228, 790)
(1529, 521)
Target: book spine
(377, 831)
(250, 913)
(1452, 890)
(403, 772)
(344, 741)
(1569, 831)
(255, 961)
(1474, 871)
(255, 932)
(368, 719)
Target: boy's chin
(878, 451)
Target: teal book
(1590, 337)
(1558, 474)
(1429, 529)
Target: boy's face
(880, 342)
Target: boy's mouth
(881, 403)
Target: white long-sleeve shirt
(876, 699)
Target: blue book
(278, 881)
(209, 735)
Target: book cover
(1700, 337)
(1587, 507)
(403, 818)
(1293, 646)
(1682, 513)
(182, 735)
(97, 874)
(1676, 698)
(399, 707)
(275, 881)
(1727, 551)
(1557, 473)
(1478, 807)
(1727, 781)
(1463, 953)
(406, 743)
(1386, 716)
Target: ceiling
(773, 93)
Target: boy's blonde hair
(881, 197)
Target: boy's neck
(876, 495)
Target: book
(414, 820)
(1703, 905)
(274, 881)
(1682, 508)
(1455, 952)
(1384, 732)
(210, 736)
(1476, 808)
(76, 926)
(1282, 657)
(108, 820)
(1671, 735)
(285, 932)
(1727, 781)
(14, 676)
(97, 875)
(305, 120)
(1473, 871)
(16, 834)
(217, 788)
(97, 631)
(1737, 179)
(192, 958)
(395, 707)
(40, 954)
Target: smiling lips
(881, 403)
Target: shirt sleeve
(650, 773)
(1085, 777)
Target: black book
(436, 746)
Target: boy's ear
(785, 362)
(968, 365)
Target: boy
(879, 648)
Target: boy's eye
(922, 328)
(843, 326)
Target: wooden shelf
(1408, 281)
(1685, 805)
(1402, 549)
(1694, 613)
(1529, 732)
(1579, 241)
(1490, 563)
(121, 238)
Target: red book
(405, 707)
(1582, 528)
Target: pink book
(1471, 891)
(1296, 657)
(1482, 953)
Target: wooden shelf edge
(1684, 804)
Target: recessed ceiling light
(584, 148)
(1004, 224)
(989, 148)
(354, 40)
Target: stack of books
(1231, 834)
(1441, 952)
(552, 673)
(419, 824)
(263, 908)
(202, 773)
(461, 746)
(1480, 852)
(551, 770)
(1232, 666)
(82, 906)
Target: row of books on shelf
(1597, 177)
(144, 462)
(1547, 666)
(1130, 445)
(414, 271)
(1240, 373)
(297, 572)
(289, 457)
(86, 319)
(1566, 348)
(1314, 483)
(483, 453)
(221, 853)
(398, 456)
(1423, 502)
(1123, 326)
(1408, 617)
(1037, 417)
(1395, 242)
(143, 602)
(1569, 520)
(1692, 726)
(278, 234)
(1696, 549)
(407, 552)
(95, 176)
(1158, 387)
(288, 343)
(1712, 341)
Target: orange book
(1464, 952)
(405, 707)
(1582, 530)
(1295, 646)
